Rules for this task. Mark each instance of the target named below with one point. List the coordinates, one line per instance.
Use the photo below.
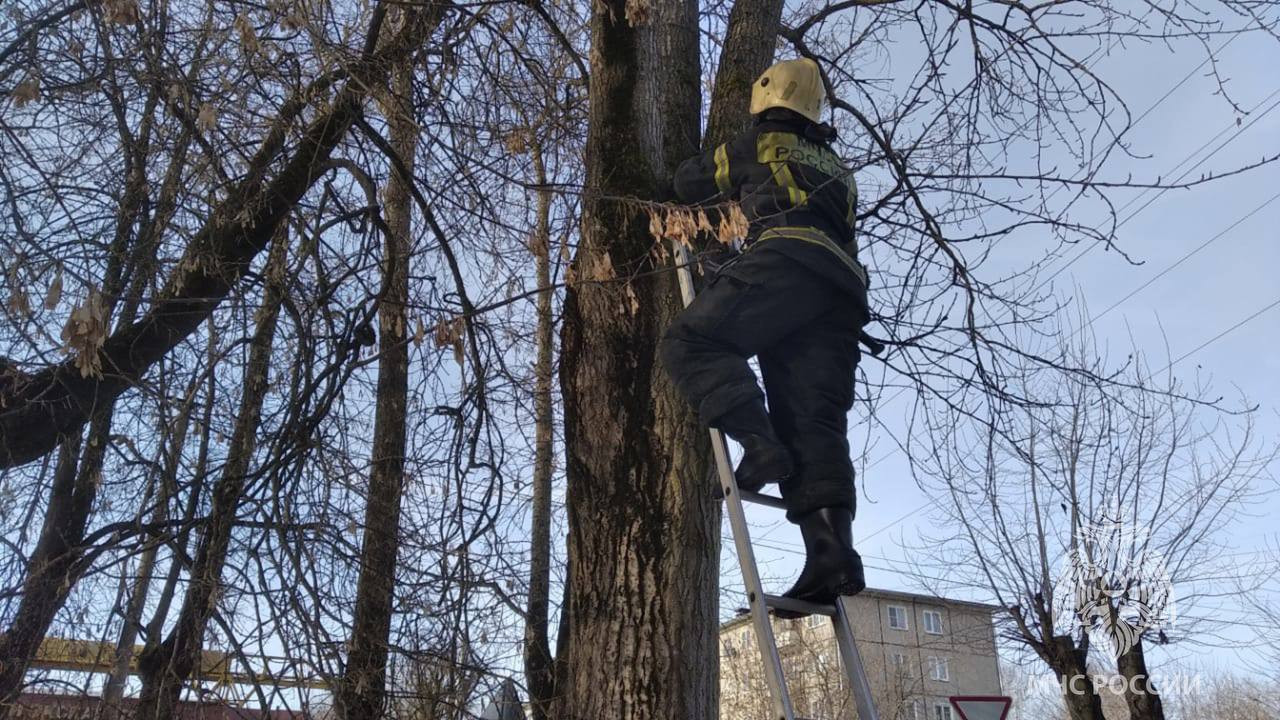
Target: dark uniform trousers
(804, 329)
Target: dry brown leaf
(655, 224)
(688, 228)
(733, 225)
(704, 224)
(602, 268)
(419, 333)
(293, 19)
(442, 334)
(675, 227)
(450, 333)
(27, 91)
(121, 12)
(18, 303)
(248, 36)
(659, 252)
(517, 142)
(84, 334)
(207, 119)
(54, 294)
(633, 302)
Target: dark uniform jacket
(798, 195)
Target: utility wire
(1206, 144)
(1270, 306)
(1197, 151)
(1150, 108)
(1157, 196)
(1222, 334)
(1187, 256)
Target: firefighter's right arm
(704, 178)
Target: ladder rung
(762, 499)
(778, 602)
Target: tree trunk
(537, 646)
(1140, 694)
(640, 638)
(643, 530)
(748, 50)
(165, 667)
(51, 564)
(1070, 665)
(361, 691)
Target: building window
(941, 712)
(933, 622)
(897, 617)
(900, 664)
(746, 639)
(939, 669)
(916, 713)
(815, 620)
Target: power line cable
(1162, 191)
(1159, 101)
(1143, 115)
(1223, 334)
(1185, 257)
(1206, 144)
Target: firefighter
(795, 298)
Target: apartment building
(918, 651)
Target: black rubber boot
(765, 459)
(831, 566)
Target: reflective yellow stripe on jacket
(722, 169)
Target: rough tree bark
(643, 544)
(537, 646)
(643, 527)
(1070, 665)
(748, 50)
(1140, 694)
(165, 666)
(360, 693)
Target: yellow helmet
(792, 84)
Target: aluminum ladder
(758, 602)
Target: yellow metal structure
(92, 656)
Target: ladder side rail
(781, 699)
(851, 660)
(765, 640)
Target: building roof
(891, 595)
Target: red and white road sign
(981, 707)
